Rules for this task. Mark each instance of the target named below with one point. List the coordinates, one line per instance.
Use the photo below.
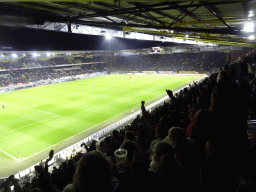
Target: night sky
(25, 39)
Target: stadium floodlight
(249, 27)
(108, 36)
(14, 55)
(48, 54)
(24, 54)
(251, 14)
(34, 54)
(186, 36)
(251, 37)
(2, 55)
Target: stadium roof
(212, 22)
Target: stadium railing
(100, 134)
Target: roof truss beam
(214, 11)
(179, 20)
(142, 7)
(112, 7)
(149, 8)
(138, 4)
(189, 13)
(149, 17)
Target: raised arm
(169, 93)
(47, 160)
(143, 109)
(83, 144)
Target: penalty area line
(33, 109)
(26, 126)
(10, 156)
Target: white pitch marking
(10, 156)
(33, 109)
(26, 126)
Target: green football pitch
(38, 118)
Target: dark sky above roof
(24, 39)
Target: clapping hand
(50, 155)
(82, 144)
(169, 93)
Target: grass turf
(37, 118)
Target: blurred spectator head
(132, 149)
(35, 190)
(26, 187)
(162, 148)
(34, 183)
(93, 172)
(129, 135)
(194, 108)
(184, 119)
(115, 134)
(202, 125)
(203, 102)
(222, 76)
(166, 166)
(162, 128)
(216, 149)
(176, 136)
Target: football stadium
(124, 95)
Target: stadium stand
(170, 62)
(197, 141)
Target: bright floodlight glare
(249, 27)
(48, 54)
(251, 37)
(108, 36)
(34, 54)
(251, 14)
(186, 35)
(14, 55)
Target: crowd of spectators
(197, 141)
(11, 64)
(33, 62)
(203, 61)
(25, 76)
(25, 71)
(59, 61)
(161, 62)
